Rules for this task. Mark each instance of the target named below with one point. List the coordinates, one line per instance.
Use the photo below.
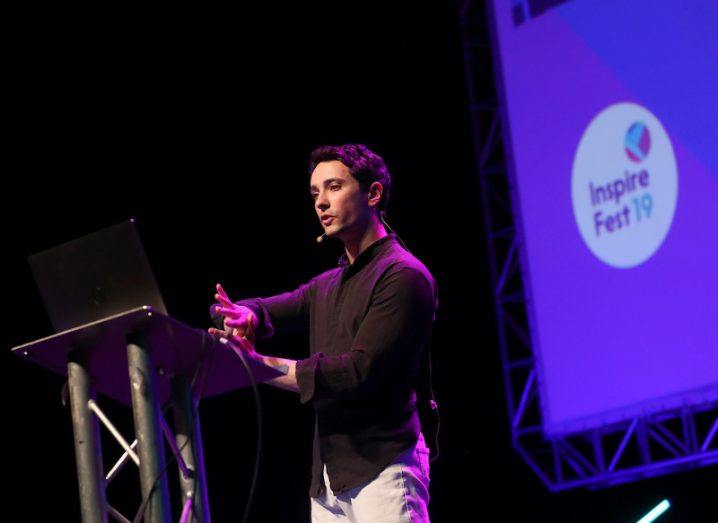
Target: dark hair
(363, 164)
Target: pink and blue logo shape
(638, 142)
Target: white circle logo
(624, 185)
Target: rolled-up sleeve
(282, 313)
(392, 332)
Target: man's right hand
(239, 321)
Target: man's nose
(322, 203)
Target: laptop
(96, 276)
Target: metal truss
(637, 448)
(130, 454)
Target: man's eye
(333, 187)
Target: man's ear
(376, 190)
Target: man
(369, 321)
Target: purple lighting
(604, 295)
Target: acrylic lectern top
(175, 349)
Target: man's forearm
(289, 380)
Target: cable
(434, 405)
(143, 506)
(64, 395)
(258, 407)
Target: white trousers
(399, 494)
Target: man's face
(340, 204)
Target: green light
(656, 511)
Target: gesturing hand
(239, 321)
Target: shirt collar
(367, 254)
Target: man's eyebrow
(326, 182)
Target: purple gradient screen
(611, 112)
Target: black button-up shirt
(369, 322)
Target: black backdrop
(198, 123)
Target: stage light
(656, 511)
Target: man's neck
(375, 231)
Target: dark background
(199, 123)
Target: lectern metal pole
(150, 446)
(88, 450)
(187, 425)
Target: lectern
(154, 364)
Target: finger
(240, 325)
(224, 311)
(216, 332)
(244, 343)
(223, 300)
(240, 331)
(233, 333)
(221, 290)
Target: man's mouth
(327, 220)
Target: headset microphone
(321, 238)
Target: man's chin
(333, 232)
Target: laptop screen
(95, 276)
